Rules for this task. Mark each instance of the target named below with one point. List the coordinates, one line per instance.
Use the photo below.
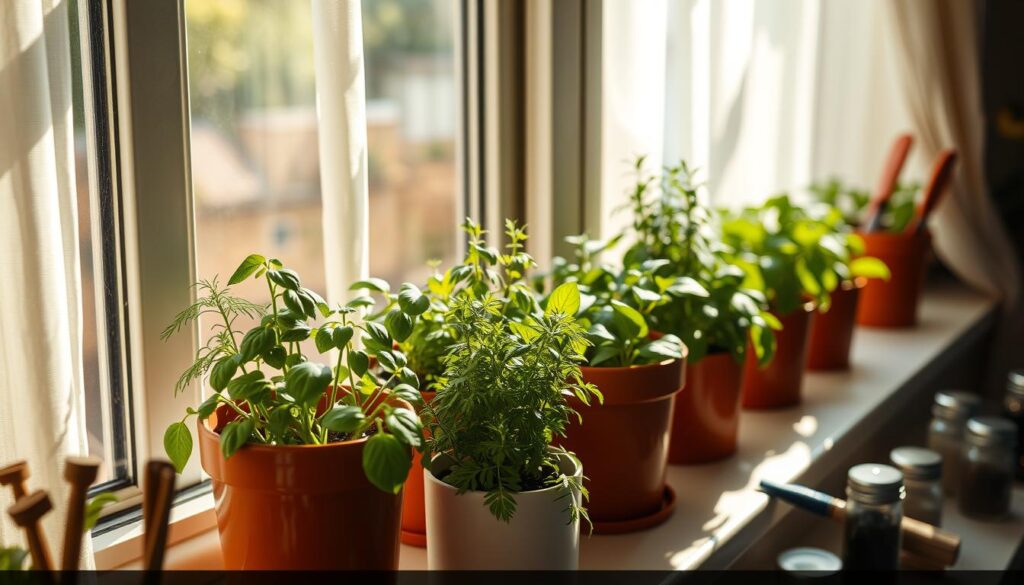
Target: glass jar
(987, 466)
(874, 511)
(1013, 409)
(922, 480)
(950, 411)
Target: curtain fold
(42, 417)
(341, 109)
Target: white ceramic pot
(463, 535)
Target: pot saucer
(414, 538)
(668, 505)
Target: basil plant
(282, 396)
(797, 254)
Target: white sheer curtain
(41, 414)
(341, 109)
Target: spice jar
(922, 480)
(874, 511)
(950, 411)
(1013, 409)
(987, 465)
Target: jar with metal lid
(874, 511)
(1013, 409)
(987, 466)
(922, 480)
(950, 411)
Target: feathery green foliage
(502, 401)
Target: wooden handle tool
(927, 543)
(26, 513)
(80, 472)
(887, 183)
(161, 475)
(942, 174)
(15, 476)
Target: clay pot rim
(661, 364)
(578, 465)
(895, 236)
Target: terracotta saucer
(414, 538)
(668, 505)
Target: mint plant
(710, 305)
(796, 255)
(502, 399)
(852, 203)
(279, 396)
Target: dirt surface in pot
(334, 437)
(531, 485)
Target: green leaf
(408, 394)
(387, 361)
(242, 387)
(668, 347)
(94, 507)
(386, 462)
(235, 435)
(323, 340)
(307, 382)
(379, 334)
(294, 302)
(341, 336)
(411, 300)
(279, 421)
(343, 419)
(299, 331)
(358, 362)
(275, 357)
(247, 268)
(399, 324)
(637, 325)
(869, 267)
(223, 371)
(375, 284)
(405, 426)
(255, 342)
(285, 278)
(208, 407)
(603, 354)
(178, 445)
(645, 296)
(524, 331)
(565, 300)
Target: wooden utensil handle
(942, 174)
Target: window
(108, 406)
(254, 132)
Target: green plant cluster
(503, 398)
(673, 225)
(796, 254)
(853, 203)
(278, 396)
(484, 270)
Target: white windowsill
(718, 513)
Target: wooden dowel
(15, 476)
(26, 513)
(162, 474)
(80, 472)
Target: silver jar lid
(809, 562)
(917, 463)
(991, 430)
(1015, 383)
(955, 404)
(874, 483)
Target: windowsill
(719, 514)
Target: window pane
(255, 165)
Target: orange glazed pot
(832, 331)
(706, 419)
(306, 507)
(414, 514)
(893, 303)
(623, 444)
(779, 383)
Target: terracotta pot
(464, 535)
(304, 507)
(414, 516)
(706, 419)
(893, 303)
(623, 443)
(832, 331)
(779, 384)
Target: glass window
(255, 164)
